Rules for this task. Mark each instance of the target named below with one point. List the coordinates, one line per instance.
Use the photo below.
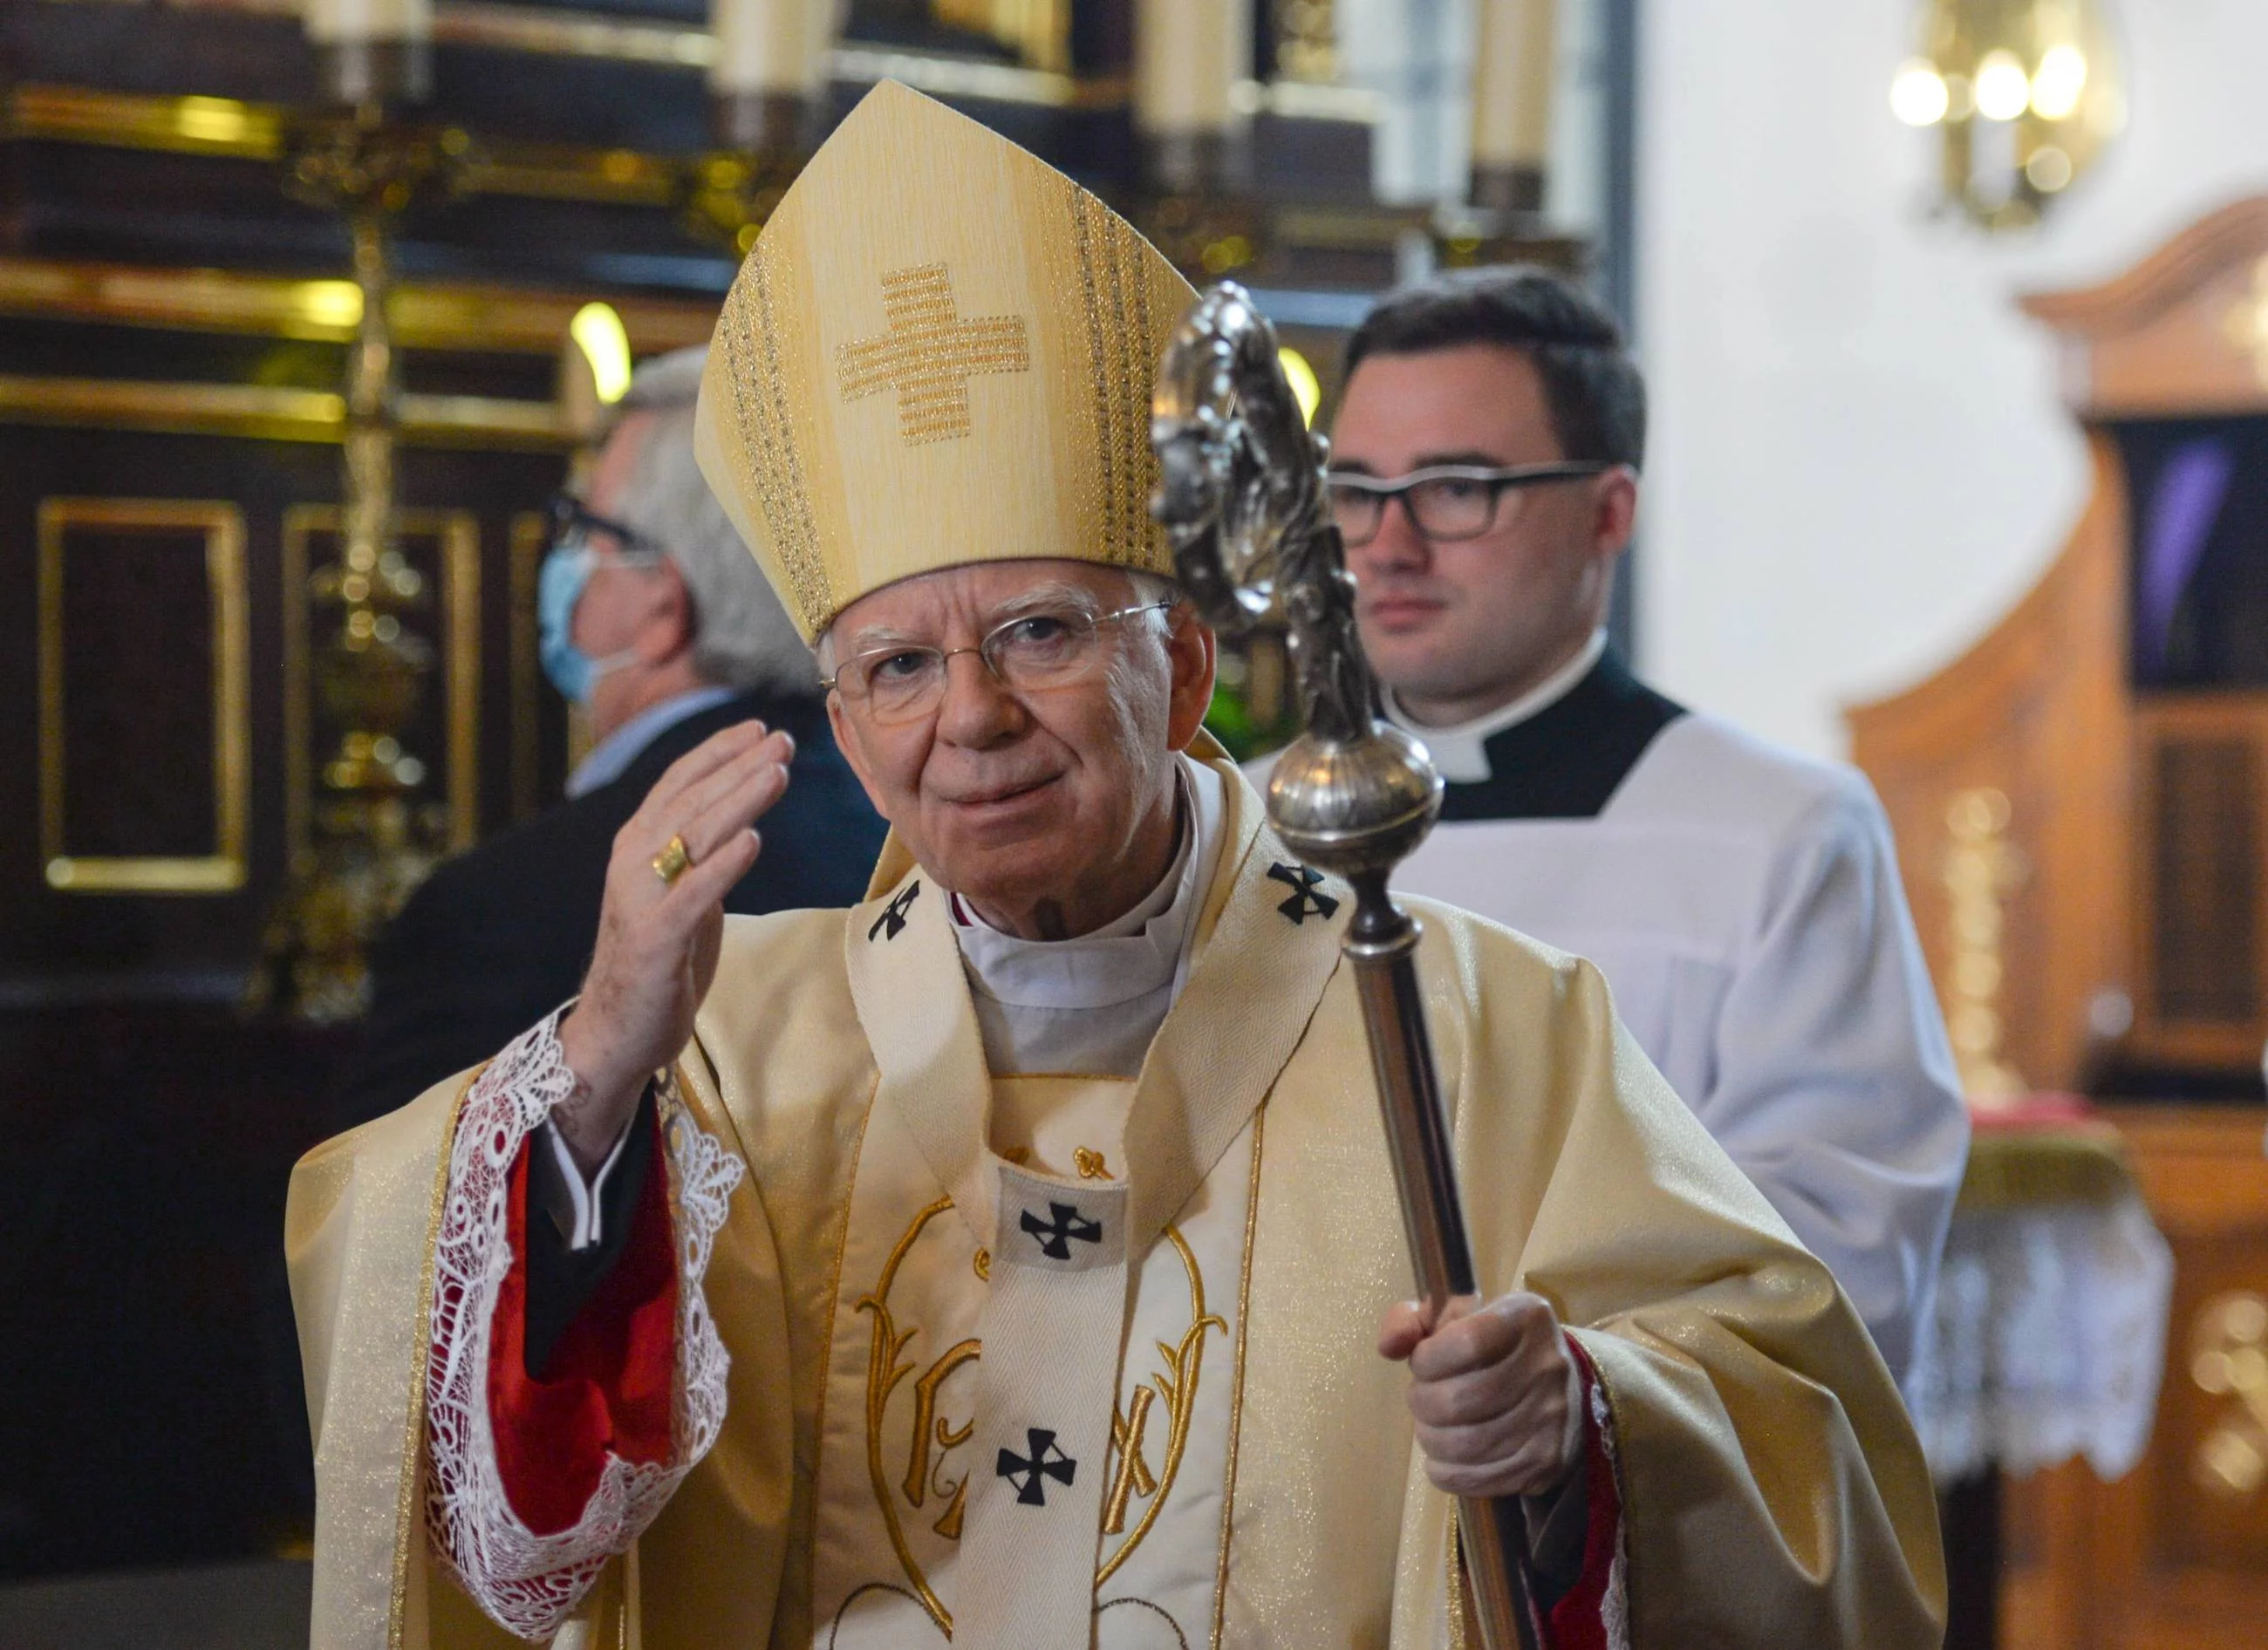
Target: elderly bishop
(1014, 1259)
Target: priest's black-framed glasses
(1446, 501)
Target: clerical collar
(1142, 952)
(1564, 759)
(1460, 750)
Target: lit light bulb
(2049, 169)
(599, 333)
(1305, 389)
(2004, 91)
(1918, 93)
(330, 302)
(2057, 86)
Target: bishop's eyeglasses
(1446, 501)
(1037, 649)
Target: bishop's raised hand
(658, 937)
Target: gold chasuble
(1123, 1389)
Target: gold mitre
(938, 352)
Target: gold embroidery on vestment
(925, 1415)
(1177, 1385)
(883, 1371)
(929, 354)
(1133, 1474)
(933, 1437)
(768, 461)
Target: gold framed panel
(224, 871)
(457, 534)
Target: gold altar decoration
(1307, 41)
(1037, 30)
(2024, 95)
(374, 833)
(731, 194)
(1981, 869)
(2228, 1358)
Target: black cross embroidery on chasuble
(893, 915)
(1045, 1462)
(1055, 1236)
(1305, 901)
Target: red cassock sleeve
(1578, 1621)
(610, 1386)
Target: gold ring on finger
(670, 864)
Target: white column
(1515, 60)
(1188, 55)
(341, 22)
(769, 46)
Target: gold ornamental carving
(1982, 869)
(370, 841)
(2229, 1358)
(2247, 323)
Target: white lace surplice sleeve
(530, 1583)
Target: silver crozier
(1243, 498)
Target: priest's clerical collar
(1142, 952)
(1460, 750)
(1559, 752)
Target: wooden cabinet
(2121, 712)
(2175, 1555)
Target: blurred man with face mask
(1742, 900)
(655, 623)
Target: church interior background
(1958, 470)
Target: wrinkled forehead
(969, 598)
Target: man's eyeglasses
(1446, 501)
(573, 527)
(1045, 647)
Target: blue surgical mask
(558, 588)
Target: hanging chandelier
(2025, 95)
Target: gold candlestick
(372, 836)
(767, 95)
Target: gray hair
(741, 636)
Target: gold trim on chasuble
(765, 461)
(410, 1524)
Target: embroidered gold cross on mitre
(929, 354)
